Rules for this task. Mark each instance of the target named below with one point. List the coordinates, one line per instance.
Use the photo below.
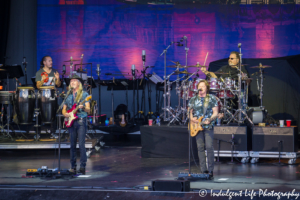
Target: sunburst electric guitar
(73, 111)
(196, 127)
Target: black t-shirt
(38, 77)
(232, 72)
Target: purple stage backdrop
(113, 34)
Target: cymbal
(72, 60)
(221, 73)
(182, 72)
(261, 66)
(175, 66)
(196, 66)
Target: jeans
(206, 138)
(78, 130)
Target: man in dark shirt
(230, 70)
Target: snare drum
(228, 94)
(47, 101)
(25, 101)
(214, 84)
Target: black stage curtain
(166, 142)
(281, 95)
(4, 24)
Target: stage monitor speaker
(269, 139)
(223, 134)
(172, 185)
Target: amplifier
(242, 142)
(172, 185)
(269, 139)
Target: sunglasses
(231, 58)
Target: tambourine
(47, 77)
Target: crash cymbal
(182, 72)
(221, 73)
(261, 66)
(72, 60)
(175, 66)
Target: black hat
(77, 77)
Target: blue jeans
(204, 141)
(78, 130)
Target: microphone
(64, 69)
(133, 71)
(199, 90)
(184, 37)
(144, 55)
(239, 45)
(70, 90)
(24, 60)
(98, 69)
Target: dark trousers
(204, 141)
(78, 130)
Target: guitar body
(72, 117)
(195, 127)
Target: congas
(214, 84)
(47, 102)
(25, 102)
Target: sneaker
(72, 170)
(211, 175)
(82, 170)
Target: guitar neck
(77, 107)
(210, 120)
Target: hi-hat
(262, 66)
(221, 73)
(182, 72)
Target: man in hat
(78, 129)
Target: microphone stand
(25, 69)
(99, 90)
(165, 75)
(59, 124)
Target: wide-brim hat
(77, 77)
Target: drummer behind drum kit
(226, 90)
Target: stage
(118, 170)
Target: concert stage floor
(123, 169)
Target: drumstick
(205, 59)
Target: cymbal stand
(238, 113)
(165, 80)
(184, 108)
(261, 94)
(99, 90)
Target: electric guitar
(196, 127)
(73, 111)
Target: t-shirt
(38, 77)
(70, 101)
(232, 72)
(197, 104)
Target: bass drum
(47, 101)
(25, 102)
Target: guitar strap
(205, 104)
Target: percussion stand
(37, 112)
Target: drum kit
(228, 92)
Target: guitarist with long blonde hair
(204, 105)
(79, 126)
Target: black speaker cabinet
(242, 142)
(268, 139)
(172, 185)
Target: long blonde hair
(79, 93)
